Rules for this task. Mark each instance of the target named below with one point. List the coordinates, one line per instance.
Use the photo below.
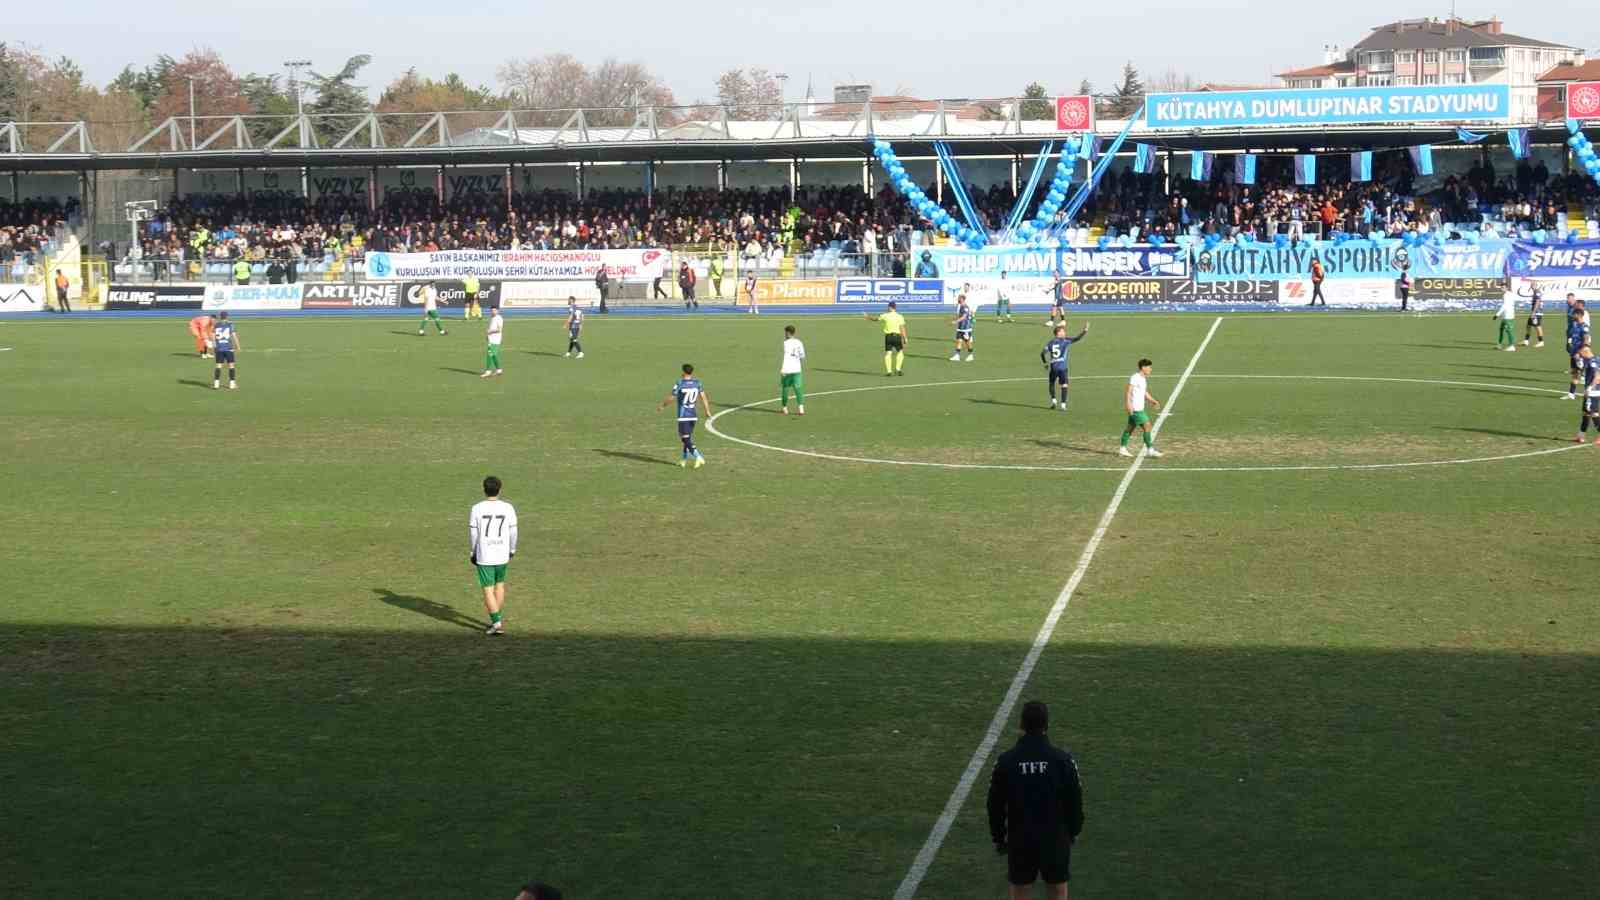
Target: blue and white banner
(1144, 159)
(1518, 139)
(1422, 158)
(1353, 259)
(1305, 169)
(258, 297)
(1245, 171)
(886, 290)
(1331, 106)
(1200, 165)
(1574, 260)
(957, 264)
(1361, 166)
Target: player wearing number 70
(688, 394)
(493, 528)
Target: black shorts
(225, 356)
(686, 428)
(964, 335)
(1591, 405)
(1058, 373)
(893, 342)
(1052, 862)
(1536, 320)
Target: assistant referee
(1036, 808)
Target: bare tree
(1172, 80)
(611, 93)
(750, 94)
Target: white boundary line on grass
(980, 757)
(1322, 467)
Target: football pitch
(1341, 640)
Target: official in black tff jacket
(1036, 808)
(602, 283)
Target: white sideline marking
(980, 757)
(4, 349)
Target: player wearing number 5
(493, 528)
(688, 394)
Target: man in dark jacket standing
(602, 283)
(1035, 808)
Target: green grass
(239, 642)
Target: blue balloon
(1157, 240)
(1575, 140)
(1572, 237)
(1539, 236)
(1280, 240)
(880, 145)
(1103, 243)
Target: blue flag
(1305, 168)
(1245, 171)
(1087, 148)
(1200, 165)
(1144, 159)
(1422, 158)
(1518, 139)
(1469, 137)
(1361, 166)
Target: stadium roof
(1588, 71)
(1342, 67)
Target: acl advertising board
(885, 290)
(21, 298)
(253, 297)
(956, 263)
(1330, 106)
(1355, 292)
(369, 295)
(795, 292)
(152, 296)
(556, 265)
(451, 293)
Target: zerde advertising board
(885, 290)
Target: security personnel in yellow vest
(241, 272)
(470, 286)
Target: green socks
(494, 618)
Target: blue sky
(937, 48)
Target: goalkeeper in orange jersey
(200, 328)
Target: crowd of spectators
(27, 227)
(763, 225)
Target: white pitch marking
(980, 757)
(711, 426)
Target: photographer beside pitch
(1036, 808)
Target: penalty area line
(1002, 715)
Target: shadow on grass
(458, 370)
(1458, 345)
(1506, 392)
(549, 353)
(1058, 445)
(1499, 432)
(194, 759)
(990, 401)
(430, 608)
(193, 383)
(771, 406)
(194, 356)
(1503, 372)
(635, 457)
(846, 371)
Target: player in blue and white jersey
(1577, 339)
(226, 342)
(1535, 325)
(574, 328)
(963, 323)
(1054, 356)
(1589, 371)
(688, 394)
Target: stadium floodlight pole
(783, 84)
(294, 83)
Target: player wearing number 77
(493, 528)
(688, 394)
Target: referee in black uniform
(1035, 808)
